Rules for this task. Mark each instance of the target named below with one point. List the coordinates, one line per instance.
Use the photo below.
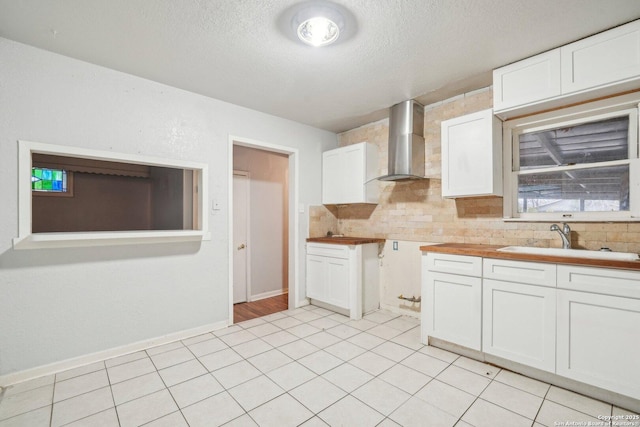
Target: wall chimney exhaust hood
(406, 142)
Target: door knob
(242, 246)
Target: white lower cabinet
(453, 310)
(344, 276)
(598, 341)
(328, 280)
(519, 323)
(577, 322)
(598, 334)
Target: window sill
(561, 219)
(106, 238)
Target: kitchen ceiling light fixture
(318, 23)
(318, 31)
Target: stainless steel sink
(574, 253)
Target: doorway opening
(263, 229)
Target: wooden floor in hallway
(250, 310)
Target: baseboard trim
(63, 365)
(269, 294)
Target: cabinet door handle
(242, 246)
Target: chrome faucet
(565, 234)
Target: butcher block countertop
(346, 240)
(491, 251)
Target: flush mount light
(317, 23)
(318, 31)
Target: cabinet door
(528, 81)
(598, 341)
(606, 58)
(472, 155)
(453, 312)
(332, 177)
(353, 174)
(519, 323)
(328, 280)
(345, 172)
(316, 280)
(337, 282)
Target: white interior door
(240, 236)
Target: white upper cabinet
(472, 155)
(604, 59)
(530, 80)
(600, 65)
(347, 173)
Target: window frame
(599, 110)
(28, 240)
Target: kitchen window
(579, 163)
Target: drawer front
(622, 283)
(454, 264)
(531, 273)
(329, 250)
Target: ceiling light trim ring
(318, 24)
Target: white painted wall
(64, 303)
(400, 274)
(268, 218)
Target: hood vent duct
(406, 142)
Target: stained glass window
(49, 180)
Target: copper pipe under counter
(491, 251)
(345, 240)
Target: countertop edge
(491, 251)
(349, 241)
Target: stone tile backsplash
(416, 211)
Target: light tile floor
(307, 367)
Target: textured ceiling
(235, 51)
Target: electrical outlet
(395, 246)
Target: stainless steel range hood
(406, 142)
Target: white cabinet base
(344, 277)
(598, 340)
(573, 326)
(453, 308)
(540, 375)
(452, 292)
(519, 323)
